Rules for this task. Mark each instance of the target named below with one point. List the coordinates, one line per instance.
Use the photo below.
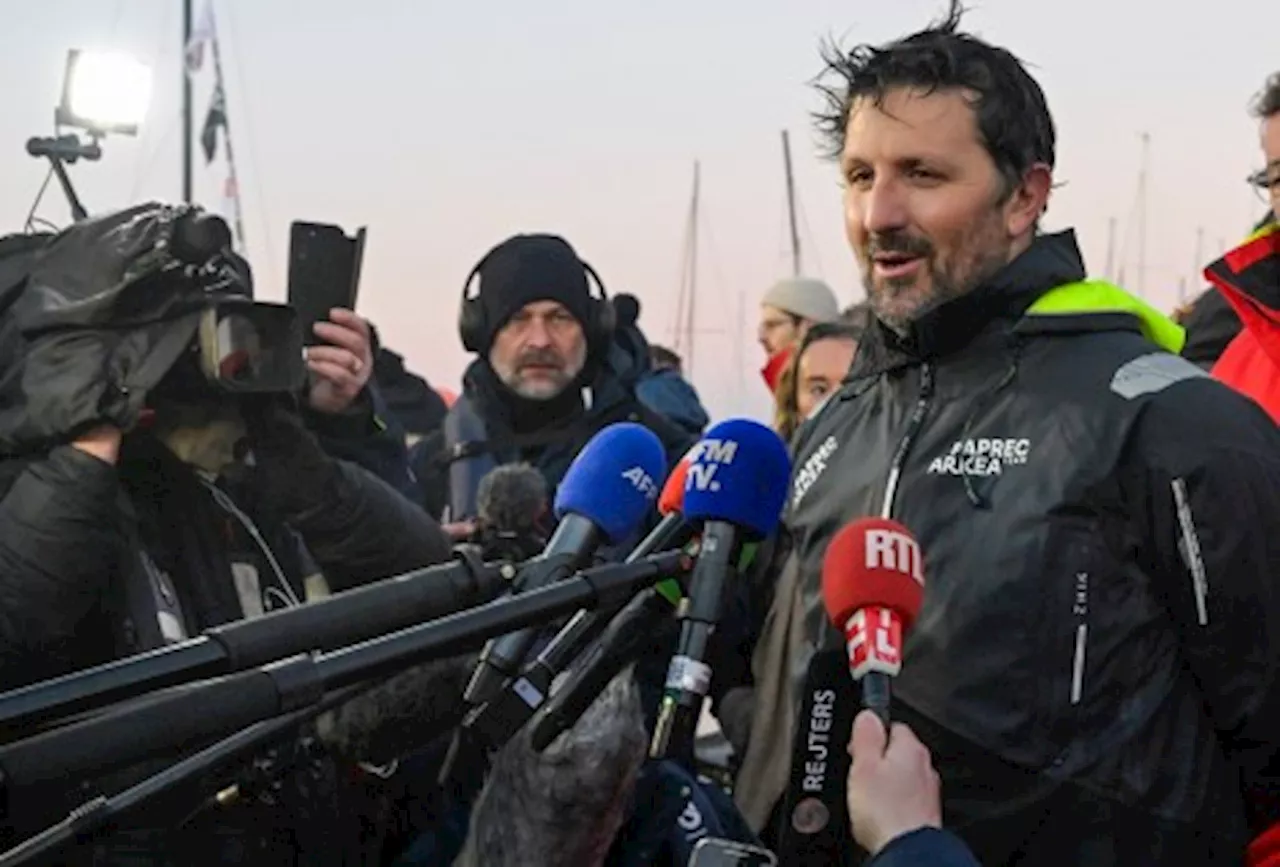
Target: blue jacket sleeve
(926, 847)
(666, 393)
(369, 437)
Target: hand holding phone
(324, 273)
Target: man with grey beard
(548, 372)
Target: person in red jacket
(1249, 278)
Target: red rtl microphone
(872, 587)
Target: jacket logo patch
(1151, 374)
(812, 469)
(983, 456)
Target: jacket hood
(1249, 278)
(93, 317)
(409, 397)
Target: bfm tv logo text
(704, 460)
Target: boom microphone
(872, 587)
(499, 719)
(325, 624)
(736, 486)
(604, 496)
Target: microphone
(512, 507)
(565, 805)
(604, 496)
(872, 588)
(815, 829)
(499, 719)
(326, 624)
(736, 486)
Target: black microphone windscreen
(401, 715)
(512, 498)
(562, 807)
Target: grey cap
(805, 297)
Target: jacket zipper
(914, 423)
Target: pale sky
(446, 126)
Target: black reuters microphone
(735, 488)
(815, 827)
(603, 497)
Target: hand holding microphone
(893, 788)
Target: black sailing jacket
(1095, 662)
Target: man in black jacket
(548, 374)
(1094, 668)
(116, 534)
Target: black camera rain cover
(91, 318)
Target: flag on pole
(201, 34)
(215, 119)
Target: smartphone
(715, 852)
(324, 272)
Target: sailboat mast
(187, 119)
(1111, 249)
(690, 326)
(1142, 217)
(791, 204)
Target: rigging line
(115, 19)
(143, 168)
(263, 216)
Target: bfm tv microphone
(499, 719)
(735, 489)
(872, 588)
(604, 496)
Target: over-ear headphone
(473, 319)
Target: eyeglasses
(1265, 182)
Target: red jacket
(1249, 278)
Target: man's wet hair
(1267, 103)
(1012, 116)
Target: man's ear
(1028, 201)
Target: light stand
(101, 94)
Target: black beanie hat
(528, 268)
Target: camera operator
(134, 371)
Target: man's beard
(544, 387)
(979, 256)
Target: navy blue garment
(669, 393)
(368, 436)
(672, 811)
(927, 847)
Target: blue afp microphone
(609, 488)
(735, 488)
